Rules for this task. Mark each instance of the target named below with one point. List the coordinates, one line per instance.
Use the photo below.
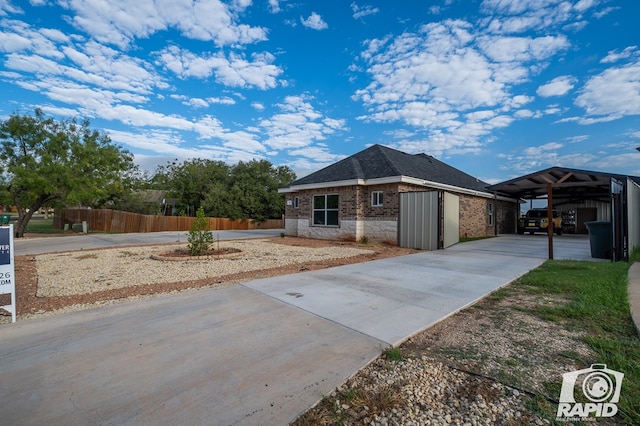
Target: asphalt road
(24, 246)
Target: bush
(200, 238)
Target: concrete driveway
(254, 354)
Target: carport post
(550, 217)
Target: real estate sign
(7, 271)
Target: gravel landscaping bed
(65, 274)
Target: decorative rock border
(170, 257)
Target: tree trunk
(25, 215)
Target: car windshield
(536, 213)
(540, 213)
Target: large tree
(189, 182)
(246, 190)
(253, 193)
(44, 162)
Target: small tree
(200, 238)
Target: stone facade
(358, 218)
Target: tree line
(246, 190)
(64, 163)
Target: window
(296, 202)
(376, 199)
(490, 212)
(325, 210)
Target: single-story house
(387, 195)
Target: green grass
(597, 307)
(42, 226)
(393, 354)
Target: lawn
(39, 225)
(597, 307)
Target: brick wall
(355, 204)
(474, 216)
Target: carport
(582, 195)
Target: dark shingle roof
(379, 161)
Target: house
(387, 195)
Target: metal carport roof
(568, 185)
(565, 185)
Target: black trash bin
(600, 239)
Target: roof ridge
(385, 151)
(357, 168)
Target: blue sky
(496, 88)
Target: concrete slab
(565, 247)
(227, 357)
(393, 299)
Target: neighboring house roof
(151, 196)
(378, 164)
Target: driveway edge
(633, 290)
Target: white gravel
(433, 394)
(65, 274)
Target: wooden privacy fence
(118, 221)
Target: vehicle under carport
(581, 195)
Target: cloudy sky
(496, 88)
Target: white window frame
(377, 198)
(296, 202)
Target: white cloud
(559, 86)
(451, 82)
(615, 55)
(320, 154)
(583, 5)
(522, 49)
(6, 7)
(519, 16)
(274, 5)
(604, 12)
(119, 22)
(235, 71)
(298, 125)
(578, 138)
(315, 22)
(362, 11)
(612, 94)
(160, 146)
